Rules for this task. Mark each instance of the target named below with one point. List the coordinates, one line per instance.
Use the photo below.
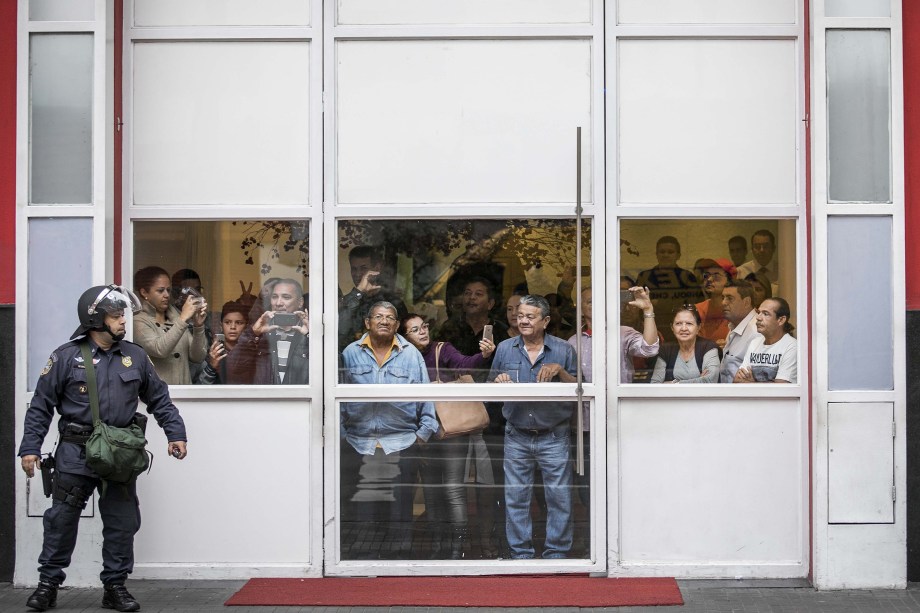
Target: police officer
(124, 373)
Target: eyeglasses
(684, 307)
(387, 318)
(417, 329)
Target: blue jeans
(523, 453)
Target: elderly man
(537, 433)
(379, 434)
(738, 309)
(274, 349)
(773, 357)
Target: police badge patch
(126, 360)
(48, 366)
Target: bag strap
(437, 355)
(90, 380)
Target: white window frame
(620, 211)
(334, 212)
(842, 553)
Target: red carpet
(492, 591)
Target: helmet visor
(115, 298)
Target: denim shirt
(392, 425)
(511, 357)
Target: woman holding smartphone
(233, 320)
(172, 335)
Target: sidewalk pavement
(699, 597)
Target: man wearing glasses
(378, 433)
(537, 433)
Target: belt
(79, 439)
(533, 431)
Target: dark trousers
(121, 519)
(443, 480)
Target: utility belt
(76, 433)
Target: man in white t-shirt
(773, 358)
(738, 309)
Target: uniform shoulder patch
(49, 364)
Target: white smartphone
(487, 333)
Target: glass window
(57, 278)
(454, 498)
(236, 289)
(858, 116)
(56, 10)
(860, 248)
(707, 301)
(457, 282)
(61, 122)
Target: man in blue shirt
(537, 433)
(381, 433)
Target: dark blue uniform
(124, 373)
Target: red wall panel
(7, 151)
(911, 22)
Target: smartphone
(487, 333)
(219, 337)
(626, 296)
(286, 319)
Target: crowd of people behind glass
(711, 314)
(721, 322)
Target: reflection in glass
(504, 492)
(716, 271)
(858, 116)
(459, 276)
(61, 90)
(250, 277)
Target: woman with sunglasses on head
(443, 467)
(692, 359)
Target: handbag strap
(437, 355)
(90, 380)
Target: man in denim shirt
(537, 433)
(381, 433)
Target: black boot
(117, 597)
(459, 537)
(439, 538)
(44, 597)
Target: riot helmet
(102, 300)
